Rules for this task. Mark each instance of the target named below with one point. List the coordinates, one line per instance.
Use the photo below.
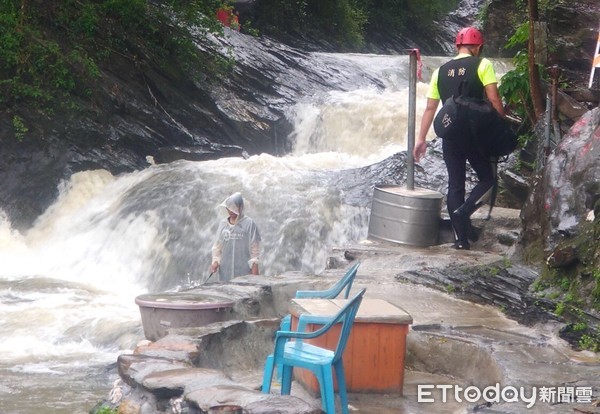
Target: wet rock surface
(451, 343)
(568, 188)
(142, 115)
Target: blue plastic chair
(333, 292)
(344, 284)
(320, 361)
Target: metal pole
(412, 106)
(555, 73)
(547, 127)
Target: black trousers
(456, 154)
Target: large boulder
(567, 190)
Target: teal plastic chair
(291, 351)
(344, 284)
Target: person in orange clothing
(229, 18)
(224, 15)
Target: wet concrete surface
(452, 344)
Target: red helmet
(469, 36)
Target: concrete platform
(452, 344)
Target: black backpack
(449, 123)
(498, 139)
(462, 115)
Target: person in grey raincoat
(236, 249)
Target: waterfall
(106, 239)
(67, 286)
(109, 238)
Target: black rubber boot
(467, 210)
(473, 233)
(461, 224)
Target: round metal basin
(163, 311)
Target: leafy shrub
(394, 16)
(103, 409)
(345, 22)
(49, 50)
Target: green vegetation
(346, 23)
(596, 290)
(576, 287)
(560, 309)
(514, 88)
(19, 127)
(494, 270)
(103, 409)
(396, 16)
(340, 22)
(578, 284)
(565, 293)
(590, 343)
(553, 295)
(51, 52)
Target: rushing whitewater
(67, 286)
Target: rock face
(568, 188)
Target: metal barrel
(404, 216)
